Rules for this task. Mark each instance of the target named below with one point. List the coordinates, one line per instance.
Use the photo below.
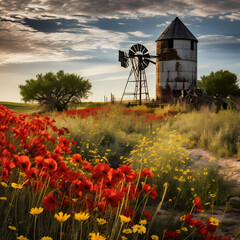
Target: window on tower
(170, 43)
(192, 45)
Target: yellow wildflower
(124, 219)
(170, 200)
(139, 228)
(213, 195)
(3, 198)
(15, 185)
(154, 237)
(101, 221)
(127, 231)
(214, 221)
(184, 229)
(36, 211)
(61, 218)
(179, 189)
(123, 238)
(82, 216)
(143, 222)
(12, 228)
(182, 218)
(96, 236)
(46, 238)
(4, 184)
(205, 173)
(192, 189)
(22, 238)
(179, 231)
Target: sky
(83, 37)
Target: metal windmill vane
(139, 58)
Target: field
(109, 172)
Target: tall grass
(106, 137)
(218, 132)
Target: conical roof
(177, 30)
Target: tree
(55, 90)
(220, 84)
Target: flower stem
(61, 224)
(34, 230)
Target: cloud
(116, 8)
(217, 39)
(232, 16)
(20, 43)
(140, 34)
(166, 23)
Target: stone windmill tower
(176, 66)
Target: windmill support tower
(139, 60)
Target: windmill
(139, 58)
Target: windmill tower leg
(126, 84)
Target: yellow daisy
(81, 216)
(36, 211)
(61, 218)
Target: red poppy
(102, 206)
(39, 161)
(88, 166)
(153, 194)
(188, 219)
(9, 165)
(201, 228)
(73, 142)
(198, 204)
(50, 202)
(117, 175)
(147, 173)
(32, 173)
(171, 234)
(76, 158)
(111, 197)
(129, 174)
(102, 170)
(50, 165)
(86, 185)
(24, 163)
(147, 215)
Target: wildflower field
(95, 174)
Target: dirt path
(229, 167)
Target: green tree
(56, 90)
(221, 84)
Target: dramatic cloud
(217, 39)
(116, 8)
(20, 43)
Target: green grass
(21, 107)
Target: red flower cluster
(94, 111)
(149, 116)
(203, 230)
(88, 112)
(97, 187)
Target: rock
(235, 202)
